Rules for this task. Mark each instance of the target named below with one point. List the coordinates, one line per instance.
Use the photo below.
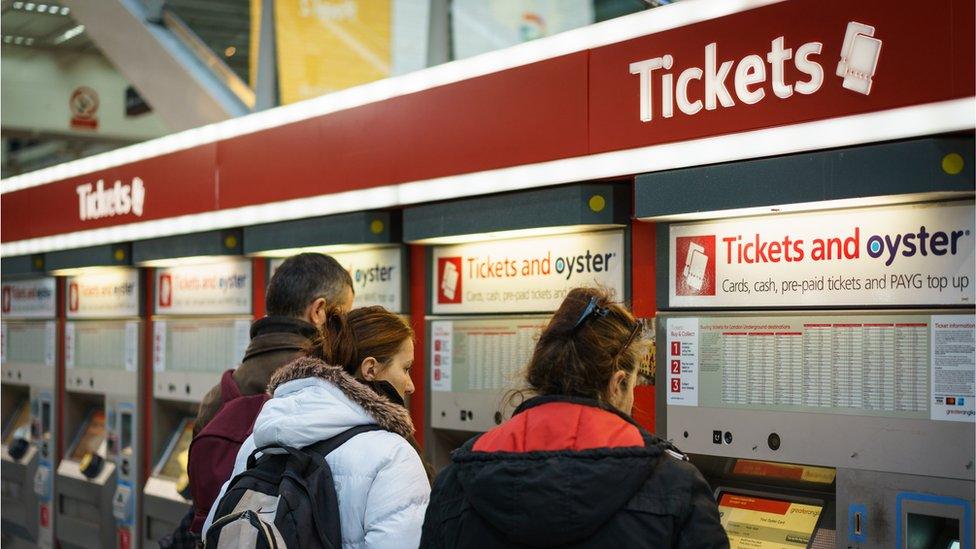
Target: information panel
(103, 294)
(481, 355)
(920, 254)
(28, 298)
(199, 345)
(213, 289)
(874, 365)
(526, 274)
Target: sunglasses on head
(645, 375)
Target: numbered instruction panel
(481, 355)
(894, 365)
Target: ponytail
(334, 344)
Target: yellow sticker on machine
(763, 523)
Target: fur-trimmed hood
(313, 401)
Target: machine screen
(756, 522)
(19, 423)
(98, 345)
(26, 342)
(90, 436)
(173, 463)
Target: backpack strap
(325, 447)
(321, 448)
(228, 387)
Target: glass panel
(223, 25)
(931, 532)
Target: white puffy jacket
(379, 479)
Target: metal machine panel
(873, 506)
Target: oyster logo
(96, 201)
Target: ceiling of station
(41, 25)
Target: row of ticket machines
(815, 429)
(98, 495)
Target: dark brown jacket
(275, 341)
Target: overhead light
(19, 40)
(29, 41)
(18, 5)
(191, 260)
(29, 6)
(69, 34)
(99, 270)
(41, 8)
(330, 249)
(230, 51)
(65, 11)
(8, 39)
(511, 234)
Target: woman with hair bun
(356, 372)
(571, 468)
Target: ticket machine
(849, 425)
(200, 322)
(497, 267)
(28, 374)
(99, 476)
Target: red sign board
(785, 59)
(776, 65)
(170, 185)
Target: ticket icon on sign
(695, 263)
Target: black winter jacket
(569, 472)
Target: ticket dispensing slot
(28, 356)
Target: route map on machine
(862, 365)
